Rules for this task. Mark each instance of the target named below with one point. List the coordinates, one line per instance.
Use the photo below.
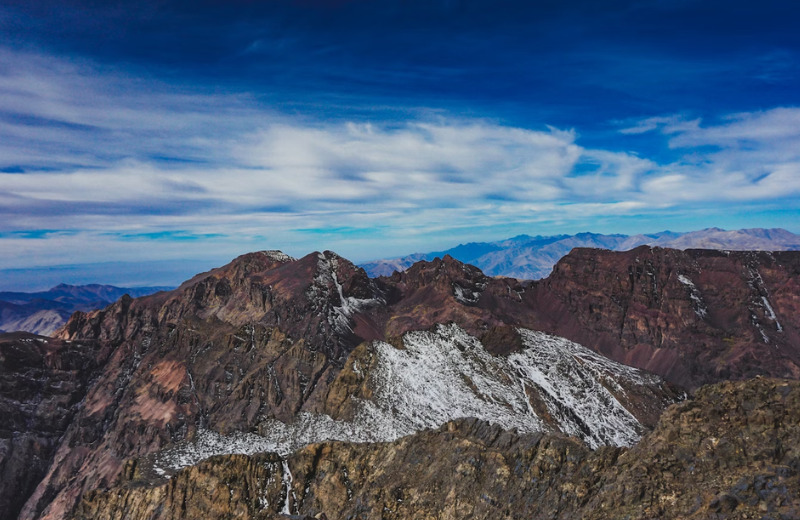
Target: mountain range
(276, 387)
(45, 311)
(531, 258)
(522, 257)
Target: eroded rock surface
(42, 381)
(693, 317)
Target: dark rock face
(693, 317)
(269, 337)
(42, 380)
(732, 452)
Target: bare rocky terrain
(283, 360)
(731, 452)
(43, 312)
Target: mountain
(42, 383)
(273, 353)
(45, 311)
(312, 358)
(730, 452)
(532, 258)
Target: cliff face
(732, 452)
(259, 338)
(42, 381)
(693, 317)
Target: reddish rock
(693, 317)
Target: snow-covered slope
(446, 374)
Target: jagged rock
(732, 452)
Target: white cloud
(92, 144)
(752, 156)
(647, 125)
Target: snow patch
(756, 283)
(447, 374)
(288, 479)
(278, 256)
(771, 313)
(464, 295)
(694, 293)
(319, 292)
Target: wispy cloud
(106, 162)
(742, 157)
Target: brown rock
(693, 317)
(42, 381)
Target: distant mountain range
(532, 258)
(43, 312)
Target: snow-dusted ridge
(447, 374)
(278, 256)
(325, 277)
(761, 299)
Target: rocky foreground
(731, 452)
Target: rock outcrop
(693, 317)
(45, 311)
(731, 452)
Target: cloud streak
(106, 162)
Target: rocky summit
(255, 386)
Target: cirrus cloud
(96, 162)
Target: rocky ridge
(693, 317)
(42, 382)
(551, 385)
(308, 348)
(44, 312)
(731, 452)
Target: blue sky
(161, 133)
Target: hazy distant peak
(527, 257)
